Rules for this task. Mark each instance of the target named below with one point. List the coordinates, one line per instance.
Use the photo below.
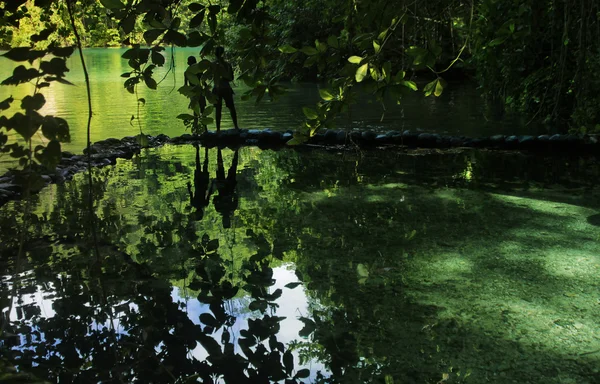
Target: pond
(197, 265)
(459, 111)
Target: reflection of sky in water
(292, 304)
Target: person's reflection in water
(201, 198)
(226, 202)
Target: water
(424, 267)
(459, 111)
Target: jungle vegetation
(540, 58)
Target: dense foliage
(540, 58)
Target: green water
(459, 111)
(424, 267)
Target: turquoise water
(459, 111)
(194, 265)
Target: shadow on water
(257, 266)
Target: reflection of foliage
(377, 254)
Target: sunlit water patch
(261, 266)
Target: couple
(223, 74)
(226, 202)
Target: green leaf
(439, 88)
(333, 42)
(355, 59)
(310, 51)
(293, 285)
(325, 95)
(112, 4)
(430, 87)
(185, 116)
(410, 84)
(497, 41)
(362, 271)
(142, 100)
(310, 113)
(376, 46)
(387, 71)
(361, 72)
(382, 35)
(287, 49)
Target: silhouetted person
(222, 89)
(201, 198)
(226, 202)
(198, 96)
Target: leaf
(293, 285)
(287, 49)
(142, 100)
(214, 9)
(355, 59)
(362, 271)
(208, 319)
(429, 88)
(382, 35)
(112, 4)
(303, 373)
(325, 95)
(55, 128)
(497, 41)
(310, 113)
(439, 88)
(23, 54)
(152, 34)
(195, 7)
(150, 82)
(212, 23)
(376, 46)
(51, 155)
(128, 23)
(309, 327)
(333, 42)
(288, 361)
(34, 102)
(176, 38)
(62, 52)
(310, 51)
(158, 58)
(5, 104)
(198, 19)
(361, 72)
(409, 84)
(185, 116)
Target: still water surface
(250, 266)
(459, 111)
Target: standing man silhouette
(223, 75)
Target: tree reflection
(118, 318)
